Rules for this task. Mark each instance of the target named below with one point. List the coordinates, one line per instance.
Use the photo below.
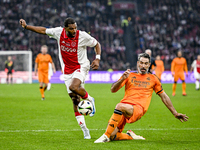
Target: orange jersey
(139, 89)
(43, 62)
(179, 65)
(159, 66)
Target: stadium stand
(162, 25)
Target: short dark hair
(69, 21)
(145, 55)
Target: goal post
(22, 66)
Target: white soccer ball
(85, 107)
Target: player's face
(9, 58)
(143, 65)
(179, 54)
(198, 57)
(71, 30)
(44, 50)
(158, 57)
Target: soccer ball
(85, 107)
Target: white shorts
(196, 75)
(80, 74)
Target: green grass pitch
(28, 123)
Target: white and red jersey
(72, 51)
(196, 66)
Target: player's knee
(73, 87)
(183, 81)
(175, 82)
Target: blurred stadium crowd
(163, 26)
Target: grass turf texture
(28, 123)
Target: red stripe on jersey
(69, 52)
(198, 66)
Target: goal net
(22, 66)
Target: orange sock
(114, 120)
(122, 136)
(42, 92)
(184, 87)
(174, 88)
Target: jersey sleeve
(50, 59)
(54, 32)
(89, 40)
(158, 86)
(193, 64)
(37, 59)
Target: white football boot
(134, 136)
(94, 109)
(102, 139)
(86, 134)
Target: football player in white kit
(196, 67)
(72, 44)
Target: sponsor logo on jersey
(67, 49)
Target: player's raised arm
(117, 85)
(166, 100)
(37, 29)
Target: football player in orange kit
(42, 65)
(178, 66)
(139, 87)
(160, 67)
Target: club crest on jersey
(73, 44)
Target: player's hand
(186, 74)
(172, 74)
(22, 23)
(126, 74)
(54, 71)
(95, 64)
(181, 117)
(35, 73)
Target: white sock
(81, 121)
(89, 98)
(48, 86)
(197, 84)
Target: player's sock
(184, 87)
(87, 97)
(49, 86)
(81, 120)
(114, 120)
(174, 88)
(7, 80)
(122, 136)
(11, 80)
(197, 84)
(42, 91)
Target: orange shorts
(138, 112)
(43, 77)
(179, 76)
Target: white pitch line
(154, 129)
